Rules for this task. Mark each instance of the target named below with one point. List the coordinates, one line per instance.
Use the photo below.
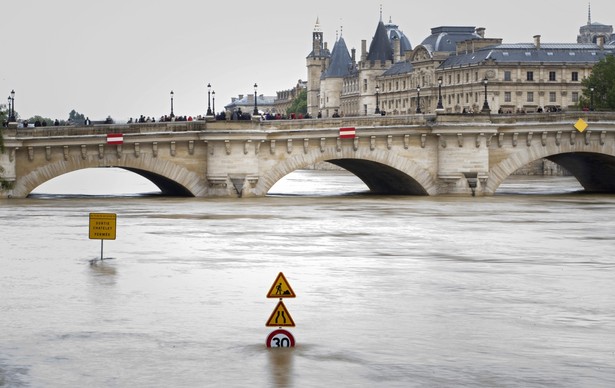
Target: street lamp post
(8, 110)
(208, 99)
(172, 115)
(213, 102)
(12, 118)
(418, 99)
(440, 106)
(591, 99)
(377, 111)
(486, 108)
(255, 98)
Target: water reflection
(281, 366)
(103, 272)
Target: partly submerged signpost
(280, 316)
(102, 227)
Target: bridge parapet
(467, 121)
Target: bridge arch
(170, 178)
(593, 165)
(383, 172)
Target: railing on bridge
(424, 120)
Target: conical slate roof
(341, 62)
(380, 49)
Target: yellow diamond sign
(581, 125)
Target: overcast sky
(123, 57)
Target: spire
(341, 62)
(380, 49)
(589, 14)
(317, 25)
(380, 12)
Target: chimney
(363, 50)
(353, 53)
(480, 31)
(396, 50)
(537, 41)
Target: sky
(122, 58)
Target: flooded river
(514, 290)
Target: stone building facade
(457, 65)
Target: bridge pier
(8, 166)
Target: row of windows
(530, 97)
(574, 76)
(468, 97)
(389, 86)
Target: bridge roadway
(397, 155)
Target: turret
(317, 62)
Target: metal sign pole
(101, 249)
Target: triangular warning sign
(280, 317)
(281, 288)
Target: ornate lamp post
(377, 111)
(255, 98)
(208, 99)
(591, 99)
(486, 108)
(8, 110)
(213, 102)
(12, 118)
(418, 99)
(440, 106)
(172, 115)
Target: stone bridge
(398, 155)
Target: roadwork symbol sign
(281, 289)
(280, 317)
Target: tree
(4, 116)
(602, 80)
(40, 119)
(75, 117)
(4, 113)
(299, 104)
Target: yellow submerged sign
(281, 288)
(102, 226)
(280, 317)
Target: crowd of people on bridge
(166, 118)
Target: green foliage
(40, 119)
(4, 185)
(602, 80)
(75, 117)
(299, 104)
(4, 113)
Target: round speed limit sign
(280, 339)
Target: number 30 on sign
(280, 339)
